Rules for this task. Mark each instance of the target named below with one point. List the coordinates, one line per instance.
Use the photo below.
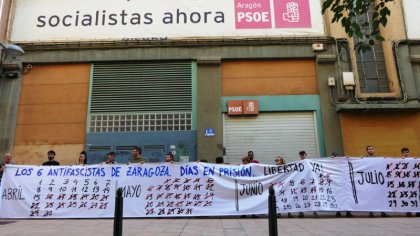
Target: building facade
(206, 79)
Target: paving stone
(325, 226)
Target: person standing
(82, 158)
(51, 161)
(219, 160)
(246, 160)
(405, 153)
(7, 160)
(279, 160)
(111, 159)
(136, 156)
(302, 155)
(251, 157)
(370, 152)
(338, 213)
(169, 157)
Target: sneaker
(301, 215)
(338, 214)
(371, 215)
(289, 215)
(348, 214)
(383, 214)
(409, 214)
(315, 214)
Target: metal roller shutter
(141, 96)
(270, 135)
(141, 87)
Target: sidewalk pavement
(325, 225)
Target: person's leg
(383, 214)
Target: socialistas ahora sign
(60, 20)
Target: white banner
(384, 184)
(412, 18)
(203, 189)
(60, 20)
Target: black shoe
(371, 215)
(338, 214)
(383, 214)
(301, 215)
(289, 215)
(315, 214)
(409, 214)
(348, 214)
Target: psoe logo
(252, 14)
(257, 14)
(292, 14)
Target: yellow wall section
(253, 78)
(388, 133)
(52, 113)
(391, 33)
(37, 154)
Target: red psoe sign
(242, 107)
(234, 107)
(250, 107)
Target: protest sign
(205, 189)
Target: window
(140, 122)
(371, 64)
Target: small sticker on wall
(209, 132)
